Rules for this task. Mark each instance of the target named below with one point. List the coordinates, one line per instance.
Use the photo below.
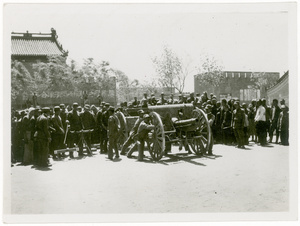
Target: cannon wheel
(123, 129)
(201, 143)
(156, 144)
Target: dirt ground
(233, 180)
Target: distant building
(31, 48)
(237, 84)
(280, 90)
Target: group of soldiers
(234, 123)
(38, 132)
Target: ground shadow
(40, 168)
(186, 157)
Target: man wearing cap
(135, 103)
(238, 123)
(113, 133)
(283, 125)
(132, 133)
(57, 141)
(104, 124)
(43, 137)
(142, 134)
(191, 98)
(144, 101)
(63, 115)
(171, 100)
(275, 112)
(211, 120)
(99, 125)
(162, 100)
(153, 100)
(75, 126)
(88, 123)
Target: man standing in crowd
(33, 120)
(99, 125)
(211, 120)
(88, 123)
(191, 98)
(260, 120)
(75, 127)
(226, 125)
(162, 100)
(238, 122)
(283, 124)
(43, 137)
(135, 103)
(144, 101)
(58, 133)
(104, 121)
(130, 139)
(275, 112)
(113, 133)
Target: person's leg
(125, 146)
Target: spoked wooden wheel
(156, 142)
(202, 140)
(123, 135)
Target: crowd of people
(38, 132)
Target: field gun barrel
(186, 122)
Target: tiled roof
(34, 47)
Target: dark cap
(62, 105)
(56, 108)
(107, 104)
(112, 109)
(208, 106)
(75, 104)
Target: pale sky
(241, 38)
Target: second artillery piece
(177, 123)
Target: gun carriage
(176, 123)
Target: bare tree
(210, 73)
(170, 70)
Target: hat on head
(146, 116)
(112, 109)
(283, 106)
(152, 94)
(208, 106)
(107, 104)
(75, 104)
(140, 111)
(56, 108)
(45, 109)
(62, 105)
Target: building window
(249, 94)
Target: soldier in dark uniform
(191, 98)
(130, 139)
(33, 120)
(99, 125)
(283, 124)
(104, 121)
(211, 120)
(135, 103)
(63, 116)
(75, 126)
(275, 112)
(144, 101)
(43, 137)
(226, 125)
(142, 134)
(238, 122)
(171, 100)
(162, 100)
(58, 133)
(88, 123)
(113, 133)
(153, 100)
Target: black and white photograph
(150, 112)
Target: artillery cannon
(176, 123)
